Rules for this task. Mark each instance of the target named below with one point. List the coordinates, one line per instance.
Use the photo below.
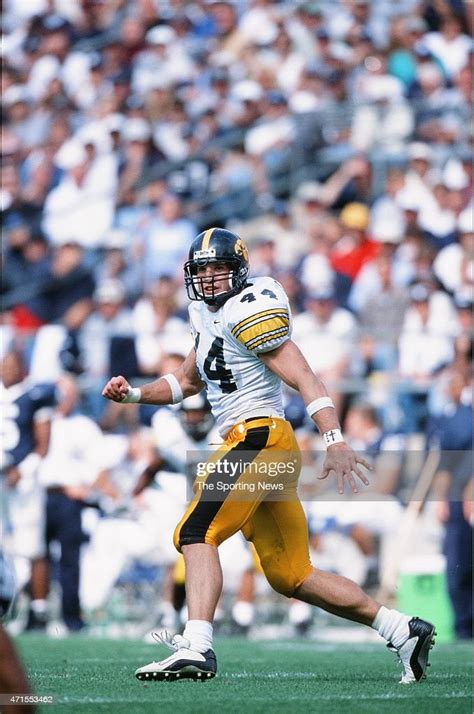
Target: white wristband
(318, 404)
(132, 396)
(333, 436)
(176, 391)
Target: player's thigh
(259, 459)
(225, 492)
(279, 532)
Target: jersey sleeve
(260, 319)
(44, 398)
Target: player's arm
(42, 433)
(169, 389)
(288, 363)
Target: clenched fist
(116, 389)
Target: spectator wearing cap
(355, 248)
(326, 335)
(454, 264)
(167, 238)
(77, 203)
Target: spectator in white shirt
(449, 45)
(78, 201)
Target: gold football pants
(250, 485)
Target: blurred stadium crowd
(335, 138)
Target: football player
(243, 350)
(26, 424)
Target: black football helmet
(216, 245)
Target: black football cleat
(414, 652)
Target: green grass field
(87, 675)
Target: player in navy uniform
(25, 425)
(243, 350)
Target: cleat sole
(174, 676)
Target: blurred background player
(26, 424)
(68, 472)
(139, 518)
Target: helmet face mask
(229, 254)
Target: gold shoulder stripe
(283, 315)
(263, 327)
(269, 338)
(269, 334)
(257, 315)
(207, 238)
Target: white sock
(39, 607)
(243, 613)
(199, 634)
(392, 626)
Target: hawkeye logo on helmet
(241, 249)
(210, 253)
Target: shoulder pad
(259, 316)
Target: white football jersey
(228, 343)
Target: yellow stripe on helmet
(207, 238)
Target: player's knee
(283, 581)
(188, 534)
